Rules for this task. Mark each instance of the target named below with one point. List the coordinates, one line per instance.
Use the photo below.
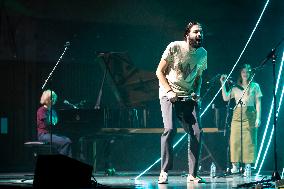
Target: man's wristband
(169, 90)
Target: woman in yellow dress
(251, 118)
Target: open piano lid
(131, 86)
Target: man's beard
(195, 43)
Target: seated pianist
(61, 144)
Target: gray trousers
(187, 113)
(61, 143)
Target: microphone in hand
(230, 81)
(235, 84)
(223, 78)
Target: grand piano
(132, 89)
(135, 90)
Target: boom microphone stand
(227, 136)
(275, 175)
(241, 103)
(272, 55)
(227, 139)
(227, 126)
(67, 44)
(210, 83)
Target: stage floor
(149, 181)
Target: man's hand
(195, 97)
(172, 96)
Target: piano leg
(94, 156)
(109, 170)
(107, 147)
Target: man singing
(180, 77)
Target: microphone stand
(211, 83)
(67, 44)
(241, 103)
(275, 175)
(272, 55)
(227, 139)
(227, 135)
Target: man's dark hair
(188, 27)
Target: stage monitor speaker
(53, 171)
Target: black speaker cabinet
(53, 171)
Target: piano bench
(38, 147)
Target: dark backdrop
(33, 34)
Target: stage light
(271, 134)
(179, 140)
(158, 160)
(264, 135)
(270, 113)
(251, 35)
(265, 152)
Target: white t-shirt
(250, 95)
(184, 65)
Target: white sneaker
(193, 179)
(163, 178)
(247, 172)
(234, 169)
